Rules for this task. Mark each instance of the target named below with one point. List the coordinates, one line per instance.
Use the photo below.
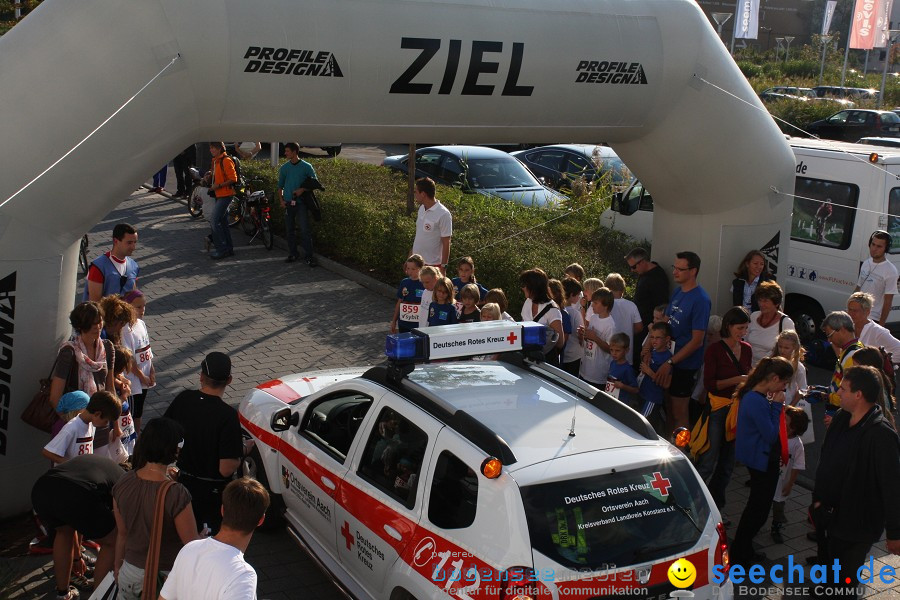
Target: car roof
(468, 151)
(532, 414)
(880, 141)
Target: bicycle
(255, 214)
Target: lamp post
(721, 18)
(892, 37)
(779, 41)
(787, 54)
(825, 39)
(768, 31)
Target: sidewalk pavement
(274, 319)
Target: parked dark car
(853, 93)
(559, 164)
(880, 141)
(476, 169)
(850, 125)
(801, 92)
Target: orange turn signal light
(873, 158)
(491, 467)
(682, 437)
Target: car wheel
(332, 150)
(807, 316)
(252, 466)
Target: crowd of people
(738, 379)
(153, 500)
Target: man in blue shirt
(291, 176)
(688, 313)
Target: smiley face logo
(682, 573)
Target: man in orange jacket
(224, 178)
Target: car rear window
(617, 519)
(889, 117)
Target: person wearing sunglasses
(651, 290)
(114, 272)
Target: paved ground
(273, 319)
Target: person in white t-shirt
(434, 227)
(428, 275)
(214, 568)
(878, 276)
(595, 334)
(142, 375)
(870, 333)
(76, 438)
(541, 308)
(625, 313)
(796, 422)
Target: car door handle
(393, 533)
(328, 483)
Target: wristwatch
(670, 362)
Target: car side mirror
(284, 419)
(616, 202)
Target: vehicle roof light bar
(464, 339)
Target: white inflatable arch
(153, 76)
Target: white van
(860, 184)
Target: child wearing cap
(77, 436)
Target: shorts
(137, 405)
(59, 502)
(683, 381)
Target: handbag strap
(737, 364)
(152, 567)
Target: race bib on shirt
(143, 355)
(409, 312)
(590, 349)
(84, 445)
(610, 387)
(126, 424)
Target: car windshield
(498, 173)
(620, 518)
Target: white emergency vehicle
(843, 192)
(479, 478)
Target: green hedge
(365, 225)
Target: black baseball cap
(216, 366)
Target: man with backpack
(222, 187)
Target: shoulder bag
(39, 413)
(732, 418)
(151, 569)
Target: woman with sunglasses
(134, 503)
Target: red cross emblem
(345, 531)
(660, 484)
(512, 337)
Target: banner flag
(748, 22)
(884, 25)
(866, 15)
(829, 12)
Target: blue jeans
(159, 178)
(220, 231)
(299, 214)
(716, 464)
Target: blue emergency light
(465, 339)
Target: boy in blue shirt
(621, 381)
(409, 297)
(653, 394)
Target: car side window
(824, 212)
(840, 117)
(454, 493)
(646, 201)
(552, 159)
(332, 422)
(893, 222)
(393, 456)
(451, 170)
(577, 166)
(430, 163)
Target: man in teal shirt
(291, 176)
